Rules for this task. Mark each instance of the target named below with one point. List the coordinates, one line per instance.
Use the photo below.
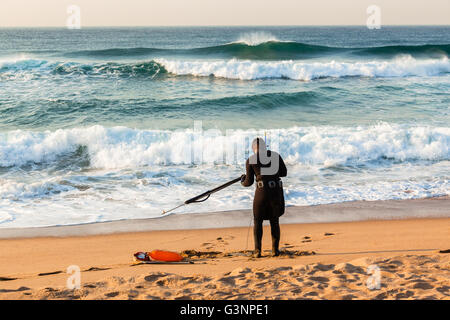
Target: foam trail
(296, 70)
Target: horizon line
(237, 26)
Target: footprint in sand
(161, 282)
(193, 254)
(208, 245)
(133, 294)
(7, 279)
(115, 281)
(381, 296)
(211, 286)
(154, 277)
(444, 290)
(311, 294)
(182, 298)
(221, 241)
(48, 273)
(319, 279)
(230, 281)
(287, 246)
(323, 267)
(349, 268)
(404, 295)
(306, 239)
(396, 262)
(214, 243)
(96, 269)
(112, 294)
(423, 286)
(14, 290)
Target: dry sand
(319, 261)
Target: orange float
(167, 256)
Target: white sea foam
(121, 147)
(20, 190)
(250, 70)
(138, 173)
(144, 195)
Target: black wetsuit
(268, 203)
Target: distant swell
(389, 51)
(269, 50)
(260, 101)
(115, 52)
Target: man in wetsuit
(266, 167)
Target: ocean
(103, 124)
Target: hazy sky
(223, 12)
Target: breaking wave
(121, 147)
(43, 67)
(232, 69)
(296, 70)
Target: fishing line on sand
(248, 232)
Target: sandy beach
(338, 260)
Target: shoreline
(352, 211)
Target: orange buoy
(167, 256)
